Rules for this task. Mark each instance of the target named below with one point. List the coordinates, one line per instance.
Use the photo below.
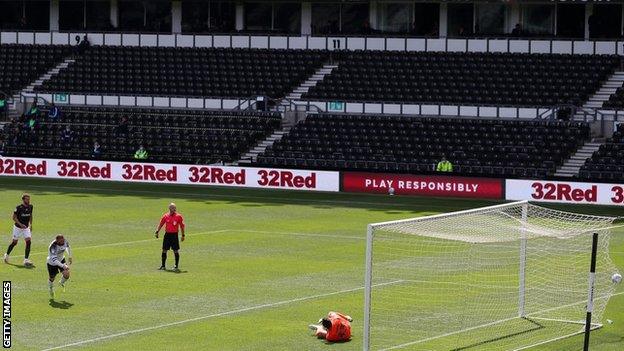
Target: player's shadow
(176, 272)
(21, 266)
(64, 305)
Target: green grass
(257, 266)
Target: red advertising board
(423, 185)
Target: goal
(505, 277)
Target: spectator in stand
(34, 110)
(54, 112)
(67, 136)
(2, 103)
(444, 165)
(122, 127)
(2, 147)
(31, 122)
(141, 153)
(85, 43)
(517, 31)
(366, 28)
(96, 153)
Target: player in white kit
(56, 261)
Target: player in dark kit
(22, 228)
(173, 222)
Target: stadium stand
(519, 148)
(179, 136)
(22, 64)
(200, 72)
(606, 164)
(464, 78)
(616, 101)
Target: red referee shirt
(172, 222)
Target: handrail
(36, 97)
(276, 105)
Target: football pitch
(256, 267)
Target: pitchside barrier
(206, 175)
(313, 180)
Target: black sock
(11, 246)
(27, 251)
(164, 258)
(177, 258)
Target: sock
(11, 246)
(63, 280)
(50, 284)
(27, 250)
(177, 258)
(164, 258)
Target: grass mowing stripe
(213, 232)
(255, 197)
(125, 242)
(396, 347)
(215, 315)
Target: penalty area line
(122, 243)
(215, 315)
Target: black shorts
(171, 241)
(54, 270)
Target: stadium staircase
(572, 166)
(252, 155)
(30, 88)
(616, 80)
(304, 87)
(48, 75)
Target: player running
(336, 327)
(22, 228)
(56, 262)
(173, 221)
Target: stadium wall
(494, 45)
(311, 180)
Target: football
(616, 278)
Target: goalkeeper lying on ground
(336, 327)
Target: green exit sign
(60, 98)
(336, 106)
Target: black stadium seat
(22, 64)
(500, 148)
(196, 72)
(607, 164)
(177, 136)
(464, 78)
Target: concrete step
(605, 90)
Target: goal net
(505, 277)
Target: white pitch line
(121, 243)
(303, 234)
(221, 314)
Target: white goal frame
(368, 285)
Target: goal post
(503, 277)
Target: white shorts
(21, 233)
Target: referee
(172, 221)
